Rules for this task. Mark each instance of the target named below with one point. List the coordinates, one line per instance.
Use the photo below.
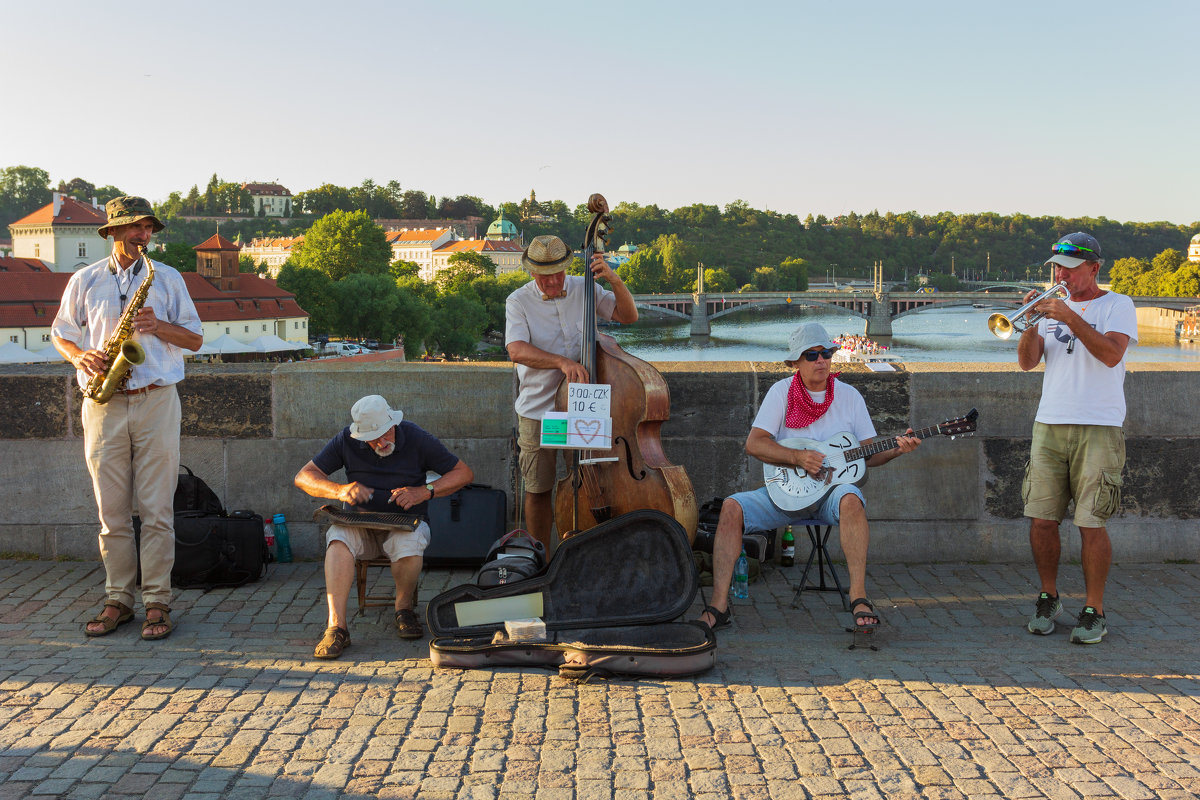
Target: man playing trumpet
(131, 439)
(1078, 449)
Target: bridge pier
(700, 324)
(879, 322)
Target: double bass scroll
(599, 486)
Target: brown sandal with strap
(332, 643)
(163, 619)
(124, 614)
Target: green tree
(78, 188)
(1124, 274)
(23, 190)
(179, 255)
(793, 273)
(463, 267)
(404, 269)
(415, 205)
(314, 293)
(368, 306)
(341, 244)
(644, 273)
(717, 280)
(459, 322)
(493, 291)
(323, 200)
(107, 192)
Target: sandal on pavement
(164, 618)
(332, 643)
(407, 624)
(860, 617)
(720, 618)
(124, 614)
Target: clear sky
(1065, 108)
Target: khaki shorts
(538, 464)
(1074, 462)
(369, 543)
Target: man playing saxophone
(131, 427)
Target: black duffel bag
(214, 550)
(514, 557)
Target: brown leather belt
(143, 390)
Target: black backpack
(514, 557)
(193, 494)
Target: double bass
(634, 473)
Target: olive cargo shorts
(1080, 462)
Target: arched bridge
(879, 310)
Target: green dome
(502, 229)
(627, 248)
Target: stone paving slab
(959, 701)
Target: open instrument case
(610, 599)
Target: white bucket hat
(806, 337)
(372, 418)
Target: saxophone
(122, 353)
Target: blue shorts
(760, 514)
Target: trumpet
(1002, 326)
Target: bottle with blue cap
(282, 543)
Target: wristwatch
(429, 486)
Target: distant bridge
(879, 310)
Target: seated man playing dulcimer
(812, 404)
(385, 459)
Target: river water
(951, 334)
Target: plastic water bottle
(741, 578)
(789, 548)
(282, 541)
(269, 538)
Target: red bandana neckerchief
(801, 410)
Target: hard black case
(612, 597)
(464, 526)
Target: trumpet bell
(1000, 326)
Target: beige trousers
(132, 449)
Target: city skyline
(1070, 110)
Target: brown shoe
(124, 614)
(333, 643)
(164, 619)
(407, 624)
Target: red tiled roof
(217, 242)
(30, 299)
(22, 294)
(266, 188)
(14, 264)
(480, 246)
(71, 212)
(414, 237)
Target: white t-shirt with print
(848, 412)
(1078, 389)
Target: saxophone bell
(130, 355)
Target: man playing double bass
(544, 338)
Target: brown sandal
(332, 643)
(163, 619)
(124, 614)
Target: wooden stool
(820, 554)
(379, 600)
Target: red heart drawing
(587, 429)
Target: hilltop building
(1194, 248)
(270, 199)
(504, 230)
(61, 234)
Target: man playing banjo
(815, 405)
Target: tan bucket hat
(125, 210)
(546, 255)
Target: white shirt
(555, 326)
(91, 308)
(1077, 388)
(848, 412)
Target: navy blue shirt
(416, 453)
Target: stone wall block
(38, 406)
(710, 400)
(228, 405)
(1006, 400)
(938, 480)
(1005, 461)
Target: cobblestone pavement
(958, 701)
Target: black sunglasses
(813, 355)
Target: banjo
(793, 489)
